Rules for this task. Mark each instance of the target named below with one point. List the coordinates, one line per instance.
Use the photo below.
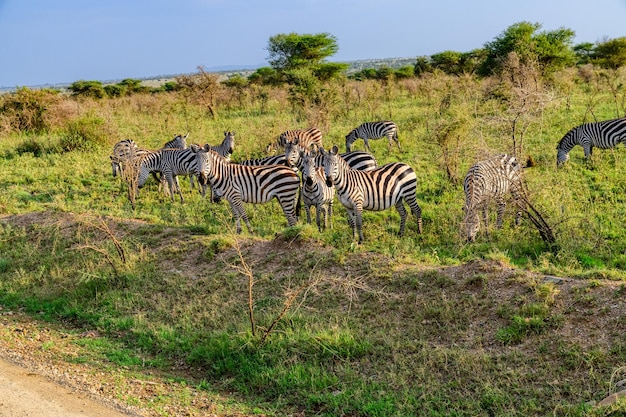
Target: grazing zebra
(248, 184)
(315, 191)
(486, 181)
(362, 161)
(375, 190)
(122, 151)
(604, 135)
(170, 163)
(373, 130)
(306, 137)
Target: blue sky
(62, 41)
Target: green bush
(86, 133)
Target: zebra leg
(307, 209)
(287, 205)
(358, 221)
(320, 214)
(500, 213)
(328, 221)
(416, 210)
(485, 220)
(402, 211)
(367, 145)
(236, 205)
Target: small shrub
(86, 133)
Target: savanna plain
(164, 309)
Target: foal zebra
(379, 189)
(248, 184)
(486, 181)
(373, 130)
(315, 191)
(306, 137)
(604, 135)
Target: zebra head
(350, 138)
(562, 156)
(309, 167)
(471, 223)
(292, 153)
(331, 165)
(204, 163)
(229, 141)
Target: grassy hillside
(297, 321)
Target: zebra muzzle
(309, 181)
(329, 182)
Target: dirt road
(29, 394)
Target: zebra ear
(335, 150)
(206, 147)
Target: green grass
(383, 328)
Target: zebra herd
(354, 177)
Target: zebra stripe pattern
(362, 161)
(379, 189)
(248, 184)
(306, 137)
(179, 142)
(373, 130)
(122, 151)
(486, 181)
(268, 160)
(604, 135)
(227, 147)
(170, 163)
(315, 191)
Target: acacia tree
(300, 60)
(552, 49)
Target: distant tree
(422, 65)
(265, 76)
(583, 52)
(87, 89)
(447, 61)
(293, 51)
(406, 71)
(115, 90)
(551, 50)
(610, 54)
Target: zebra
(179, 142)
(315, 191)
(122, 151)
(373, 130)
(248, 184)
(362, 161)
(604, 135)
(379, 189)
(170, 163)
(227, 147)
(306, 137)
(490, 180)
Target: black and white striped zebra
(373, 130)
(315, 191)
(376, 190)
(240, 184)
(604, 135)
(123, 151)
(227, 147)
(170, 163)
(487, 181)
(179, 142)
(362, 161)
(306, 137)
